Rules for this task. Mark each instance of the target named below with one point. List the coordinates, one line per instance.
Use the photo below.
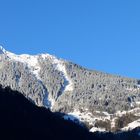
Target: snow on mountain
(88, 117)
(2, 50)
(95, 129)
(32, 62)
(77, 116)
(59, 65)
(132, 125)
(97, 99)
(29, 60)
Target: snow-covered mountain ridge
(32, 62)
(97, 99)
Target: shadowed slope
(21, 119)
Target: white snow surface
(95, 129)
(86, 116)
(32, 63)
(60, 66)
(132, 125)
(30, 60)
(77, 116)
(2, 50)
(138, 85)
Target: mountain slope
(20, 119)
(100, 100)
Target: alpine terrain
(97, 100)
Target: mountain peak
(98, 99)
(2, 50)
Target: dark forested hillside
(20, 119)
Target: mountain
(103, 102)
(20, 119)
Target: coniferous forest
(21, 119)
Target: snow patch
(60, 66)
(132, 125)
(2, 50)
(52, 102)
(137, 103)
(138, 85)
(29, 60)
(91, 119)
(95, 129)
(82, 117)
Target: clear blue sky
(97, 34)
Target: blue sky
(97, 34)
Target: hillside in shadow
(21, 119)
